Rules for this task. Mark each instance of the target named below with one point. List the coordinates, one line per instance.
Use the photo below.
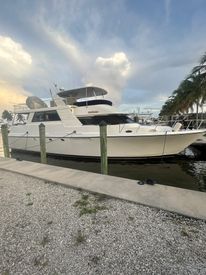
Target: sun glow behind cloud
(11, 95)
(15, 63)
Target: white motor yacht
(72, 128)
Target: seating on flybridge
(34, 102)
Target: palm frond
(203, 59)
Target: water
(179, 172)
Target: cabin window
(46, 116)
(20, 119)
(109, 120)
(93, 102)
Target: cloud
(118, 63)
(74, 43)
(13, 52)
(14, 60)
(67, 46)
(11, 95)
(111, 73)
(15, 63)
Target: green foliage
(7, 115)
(88, 206)
(80, 238)
(45, 241)
(191, 91)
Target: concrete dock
(181, 201)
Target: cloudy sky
(138, 50)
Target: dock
(185, 202)
(61, 221)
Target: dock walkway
(186, 202)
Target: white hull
(148, 145)
(73, 130)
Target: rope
(18, 138)
(50, 141)
(26, 142)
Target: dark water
(183, 172)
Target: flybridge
(73, 95)
(82, 92)
(69, 97)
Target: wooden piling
(103, 148)
(42, 139)
(4, 133)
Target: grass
(101, 197)
(45, 241)
(80, 237)
(87, 206)
(39, 261)
(91, 210)
(95, 259)
(185, 233)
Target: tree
(191, 91)
(7, 115)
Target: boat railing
(186, 123)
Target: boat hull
(139, 146)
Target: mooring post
(103, 147)
(4, 133)
(42, 139)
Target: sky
(139, 51)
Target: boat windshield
(112, 119)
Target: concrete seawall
(182, 201)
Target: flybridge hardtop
(72, 129)
(84, 92)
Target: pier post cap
(41, 125)
(4, 126)
(102, 123)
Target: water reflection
(179, 172)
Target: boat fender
(177, 127)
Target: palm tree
(191, 91)
(198, 76)
(7, 115)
